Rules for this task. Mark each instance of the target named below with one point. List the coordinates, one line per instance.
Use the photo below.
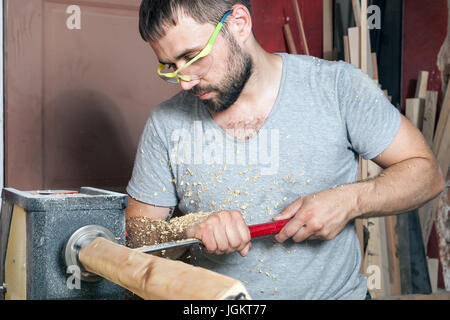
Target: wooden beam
(422, 85)
(433, 269)
(347, 49)
(375, 67)
(445, 110)
(415, 110)
(429, 117)
(359, 226)
(363, 34)
(328, 46)
(376, 245)
(357, 12)
(289, 39)
(360, 13)
(353, 37)
(443, 154)
(441, 146)
(392, 251)
(300, 27)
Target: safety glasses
(198, 66)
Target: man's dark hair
(157, 15)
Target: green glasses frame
(205, 51)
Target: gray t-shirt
(325, 115)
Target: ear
(240, 23)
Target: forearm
(400, 188)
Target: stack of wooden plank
(422, 110)
(379, 248)
(393, 247)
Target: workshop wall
(269, 17)
(425, 30)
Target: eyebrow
(185, 53)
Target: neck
(258, 96)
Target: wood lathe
(71, 245)
(93, 249)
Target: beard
(240, 66)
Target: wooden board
(359, 226)
(347, 49)
(422, 85)
(354, 45)
(5, 223)
(289, 39)
(301, 28)
(15, 273)
(443, 116)
(328, 47)
(415, 278)
(357, 12)
(441, 150)
(443, 153)
(364, 36)
(384, 255)
(415, 110)
(375, 259)
(425, 216)
(375, 67)
(420, 279)
(403, 251)
(365, 43)
(433, 267)
(392, 252)
(429, 118)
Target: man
(255, 136)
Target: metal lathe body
(37, 227)
(71, 245)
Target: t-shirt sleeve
(152, 180)
(372, 122)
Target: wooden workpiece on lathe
(155, 278)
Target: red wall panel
(425, 29)
(269, 19)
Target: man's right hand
(223, 232)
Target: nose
(187, 85)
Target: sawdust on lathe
(144, 231)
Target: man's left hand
(322, 215)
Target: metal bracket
(77, 241)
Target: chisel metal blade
(168, 245)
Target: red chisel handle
(265, 229)
(257, 230)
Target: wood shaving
(145, 231)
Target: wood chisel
(256, 231)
